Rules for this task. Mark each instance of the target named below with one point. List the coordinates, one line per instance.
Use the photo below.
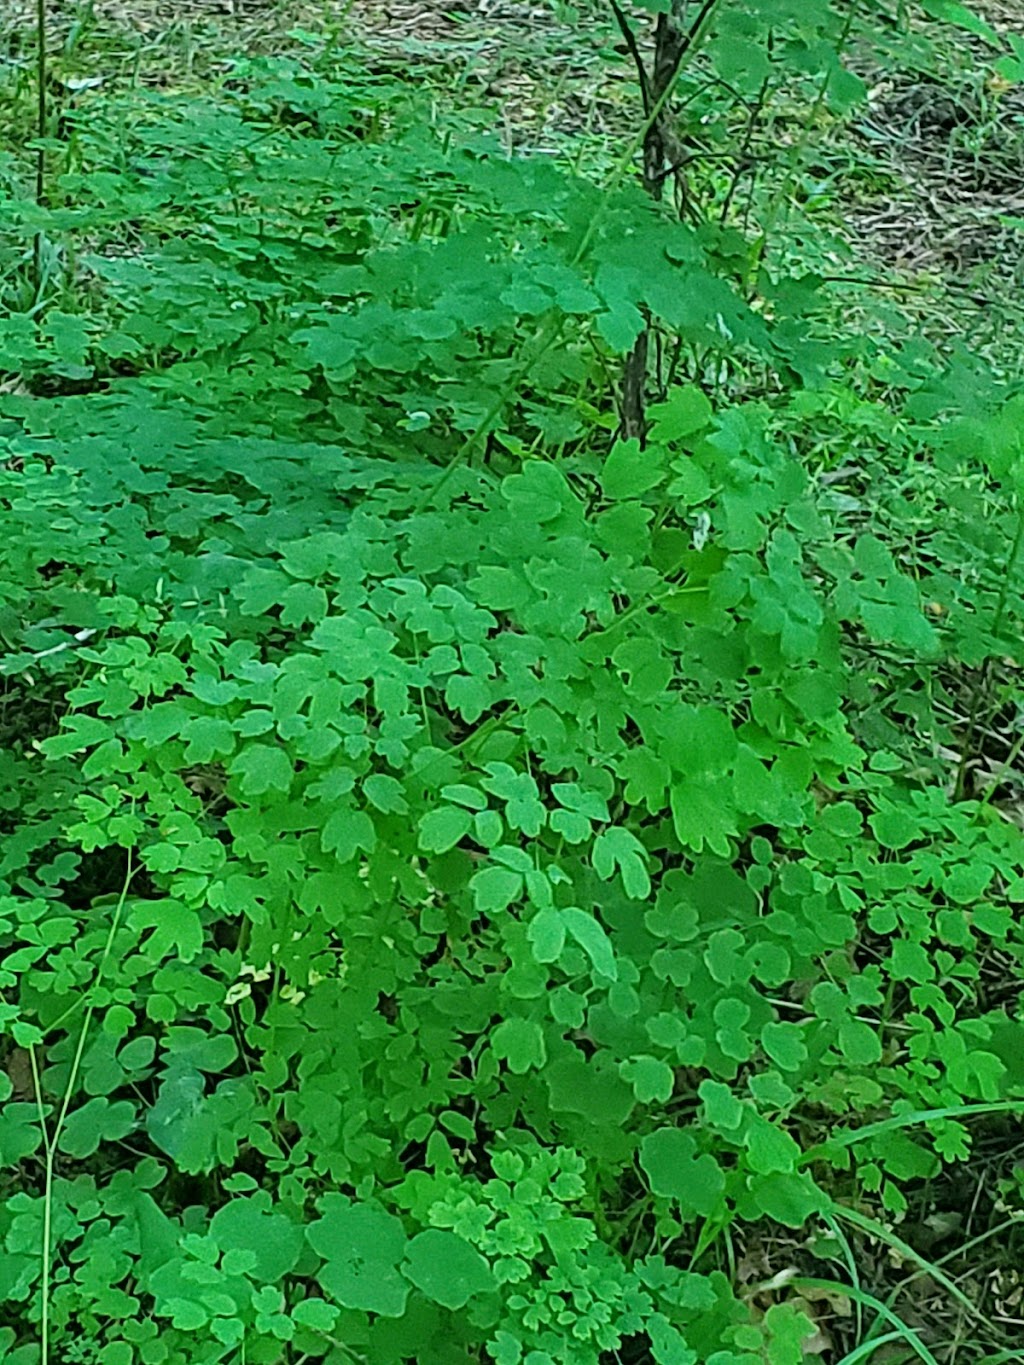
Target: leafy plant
(464, 872)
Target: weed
(468, 878)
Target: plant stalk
(42, 121)
(52, 1140)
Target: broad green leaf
(446, 1268)
(630, 471)
(386, 794)
(721, 1107)
(348, 831)
(362, 1248)
(894, 826)
(209, 737)
(177, 930)
(703, 814)
(180, 1122)
(20, 1135)
(495, 888)
(263, 769)
(788, 1199)
(618, 848)
(443, 828)
(592, 1089)
(334, 347)
(650, 1078)
(523, 808)
(252, 1225)
(675, 1171)
(784, 1043)
(769, 1147)
(546, 933)
(685, 412)
(520, 1043)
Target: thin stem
(852, 1137)
(41, 131)
(742, 157)
(629, 37)
(884, 1234)
(52, 1141)
(953, 1255)
(880, 1309)
(990, 791)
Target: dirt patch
(953, 160)
(946, 154)
(548, 81)
(160, 38)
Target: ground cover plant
(477, 885)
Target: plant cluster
(462, 874)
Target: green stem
(883, 1234)
(868, 1348)
(852, 1137)
(993, 787)
(52, 1141)
(41, 130)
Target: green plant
(464, 875)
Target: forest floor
(918, 192)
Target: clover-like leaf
(593, 939)
(95, 1122)
(443, 828)
(520, 1043)
(675, 1170)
